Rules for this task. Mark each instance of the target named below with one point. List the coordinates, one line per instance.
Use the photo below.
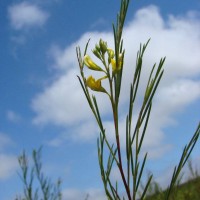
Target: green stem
(120, 165)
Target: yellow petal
(116, 69)
(113, 63)
(90, 64)
(95, 84)
(111, 53)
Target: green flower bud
(103, 46)
(97, 47)
(111, 54)
(96, 53)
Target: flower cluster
(112, 64)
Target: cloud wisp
(26, 15)
(4, 141)
(8, 162)
(8, 167)
(13, 116)
(178, 38)
(91, 193)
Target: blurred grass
(189, 190)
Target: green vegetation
(46, 190)
(36, 185)
(130, 161)
(187, 190)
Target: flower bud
(90, 64)
(111, 54)
(95, 84)
(116, 68)
(96, 53)
(97, 47)
(103, 46)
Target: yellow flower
(113, 63)
(90, 64)
(116, 69)
(95, 84)
(111, 54)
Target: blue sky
(42, 103)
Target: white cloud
(64, 102)
(177, 38)
(74, 194)
(8, 162)
(4, 141)
(8, 166)
(26, 15)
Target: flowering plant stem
(32, 176)
(130, 166)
